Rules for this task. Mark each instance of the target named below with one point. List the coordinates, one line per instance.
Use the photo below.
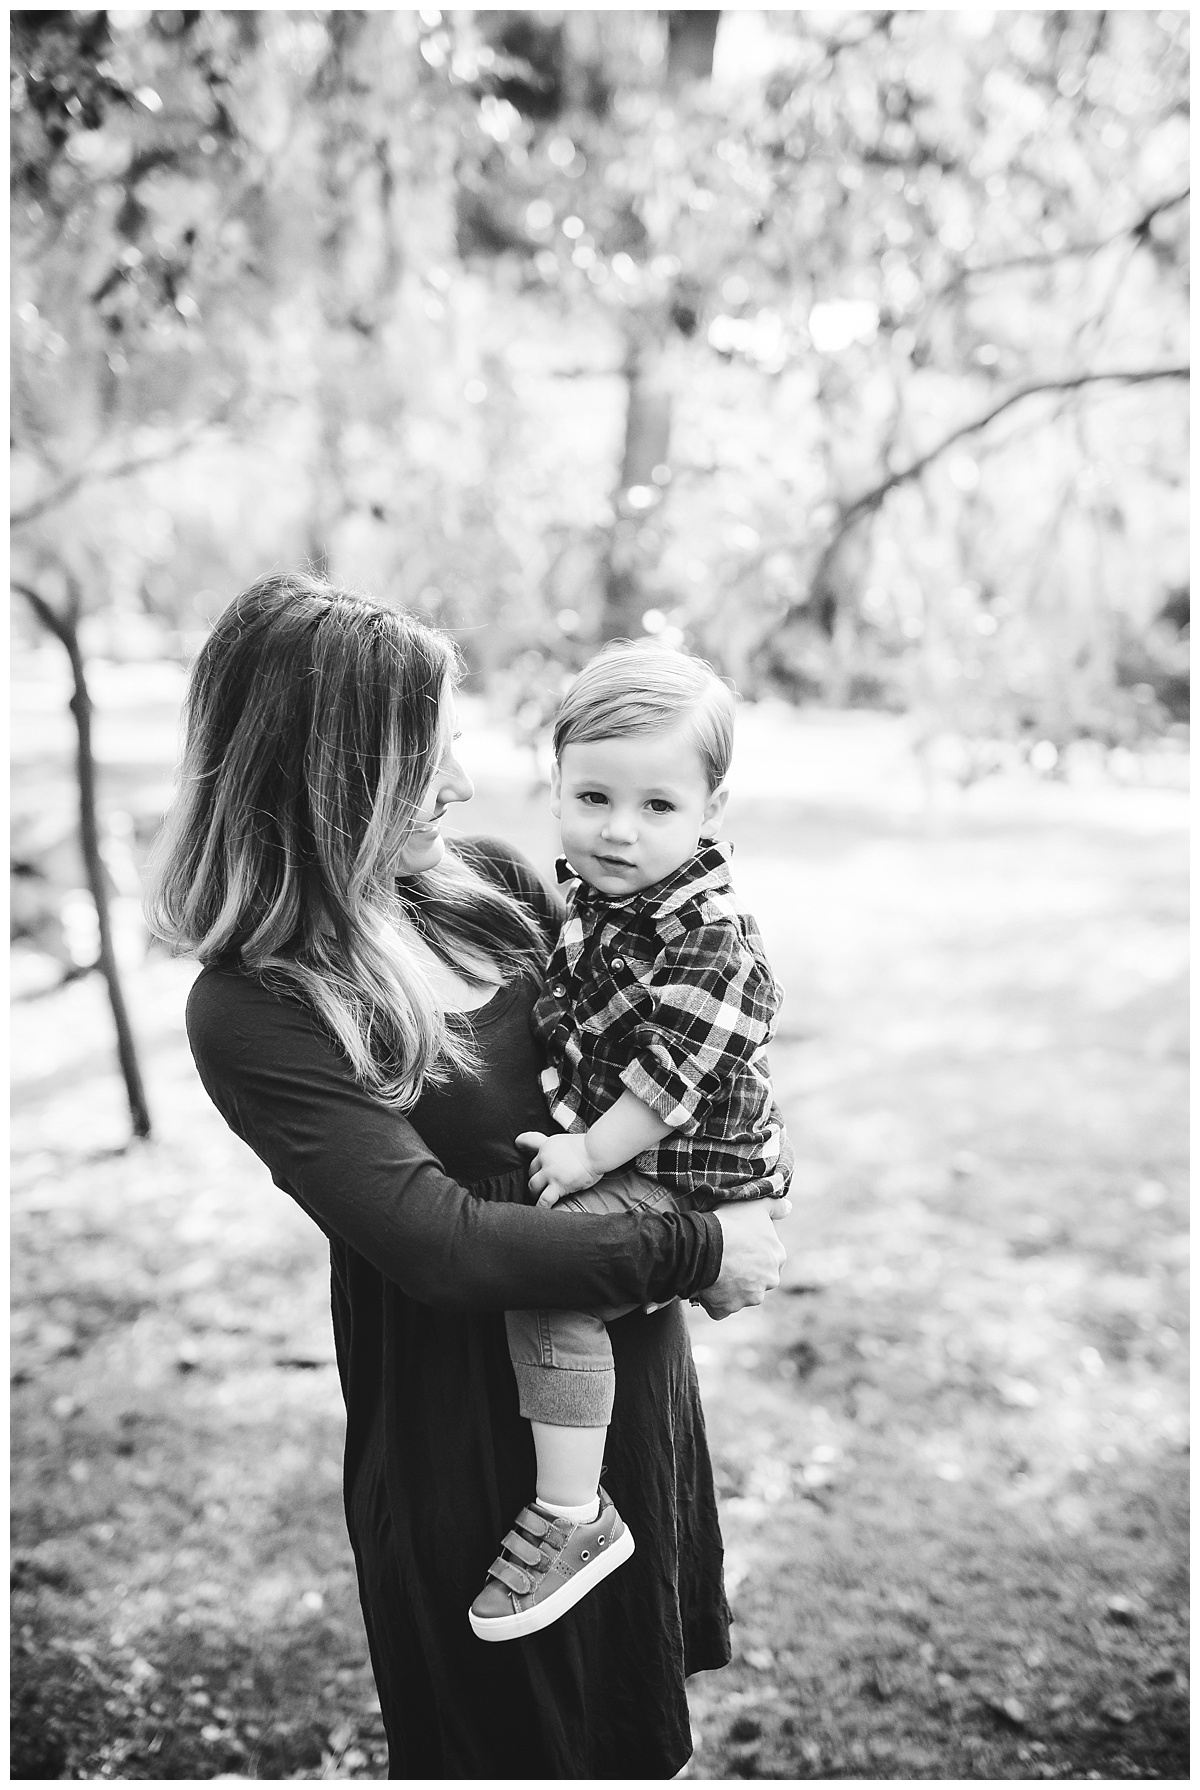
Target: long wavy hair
(314, 722)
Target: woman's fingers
(752, 1260)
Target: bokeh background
(849, 350)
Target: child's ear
(555, 790)
(714, 811)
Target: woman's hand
(561, 1165)
(753, 1256)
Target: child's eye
(592, 796)
(658, 806)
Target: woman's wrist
(712, 1255)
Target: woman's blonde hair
(630, 689)
(314, 723)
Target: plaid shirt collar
(705, 872)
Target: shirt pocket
(620, 997)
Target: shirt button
(618, 963)
(559, 990)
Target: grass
(951, 1450)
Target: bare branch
(1142, 227)
(1139, 230)
(45, 612)
(95, 475)
(871, 500)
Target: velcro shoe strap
(521, 1550)
(532, 1525)
(511, 1575)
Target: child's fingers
(551, 1196)
(530, 1140)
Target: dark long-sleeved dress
(432, 1236)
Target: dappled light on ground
(950, 1450)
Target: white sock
(576, 1513)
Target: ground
(951, 1449)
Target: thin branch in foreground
(1138, 232)
(871, 500)
(96, 475)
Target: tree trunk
(647, 441)
(690, 40)
(66, 629)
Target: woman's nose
(456, 786)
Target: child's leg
(569, 1460)
(569, 1540)
(563, 1364)
(565, 1382)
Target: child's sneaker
(545, 1566)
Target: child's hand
(561, 1165)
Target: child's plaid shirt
(667, 993)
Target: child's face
(633, 810)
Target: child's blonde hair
(630, 689)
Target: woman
(362, 1022)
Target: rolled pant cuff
(568, 1397)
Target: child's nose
(620, 826)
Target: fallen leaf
(1122, 1609)
(761, 1658)
(1117, 1710)
(880, 1682)
(1011, 1708)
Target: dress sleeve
(715, 1003)
(362, 1172)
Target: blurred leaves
(377, 289)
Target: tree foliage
(848, 351)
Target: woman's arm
(362, 1172)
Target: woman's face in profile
(424, 846)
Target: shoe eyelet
(600, 1540)
(583, 1554)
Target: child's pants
(563, 1360)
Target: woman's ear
(555, 790)
(714, 811)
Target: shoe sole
(538, 1616)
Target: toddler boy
(657, 1009)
